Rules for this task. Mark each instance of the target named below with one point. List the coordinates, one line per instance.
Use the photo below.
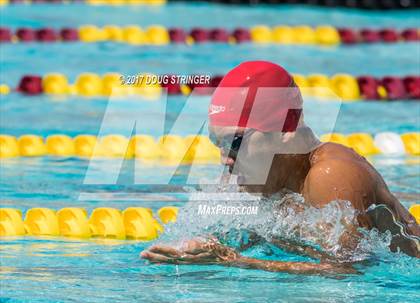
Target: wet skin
(329, 173)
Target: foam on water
(285, 216)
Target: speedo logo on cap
(216, 109)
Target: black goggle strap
(229, 143)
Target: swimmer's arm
(288, 246)
(401, 213)
(253, 240)
(327, 265)
(245, 243)
(303, 250)
(210, 252)
(306, 268)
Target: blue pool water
(68, 270)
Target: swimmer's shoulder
(337, 172)
(331, 160)
(333, 151)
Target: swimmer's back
(334, 151)
(339, 173)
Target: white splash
(285, 216)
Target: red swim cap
(259, 95)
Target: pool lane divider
(365, 4)
(323, 35)
(166, 149)
(170, 149)
(133, 223)
(91, 85)
(87, 2)
(360, 4)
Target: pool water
(70, 270)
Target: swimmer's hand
(192, 252)
(212, 252)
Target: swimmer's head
(256, 113)
(259, 95)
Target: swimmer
(253, 129)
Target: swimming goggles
(228, 144)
